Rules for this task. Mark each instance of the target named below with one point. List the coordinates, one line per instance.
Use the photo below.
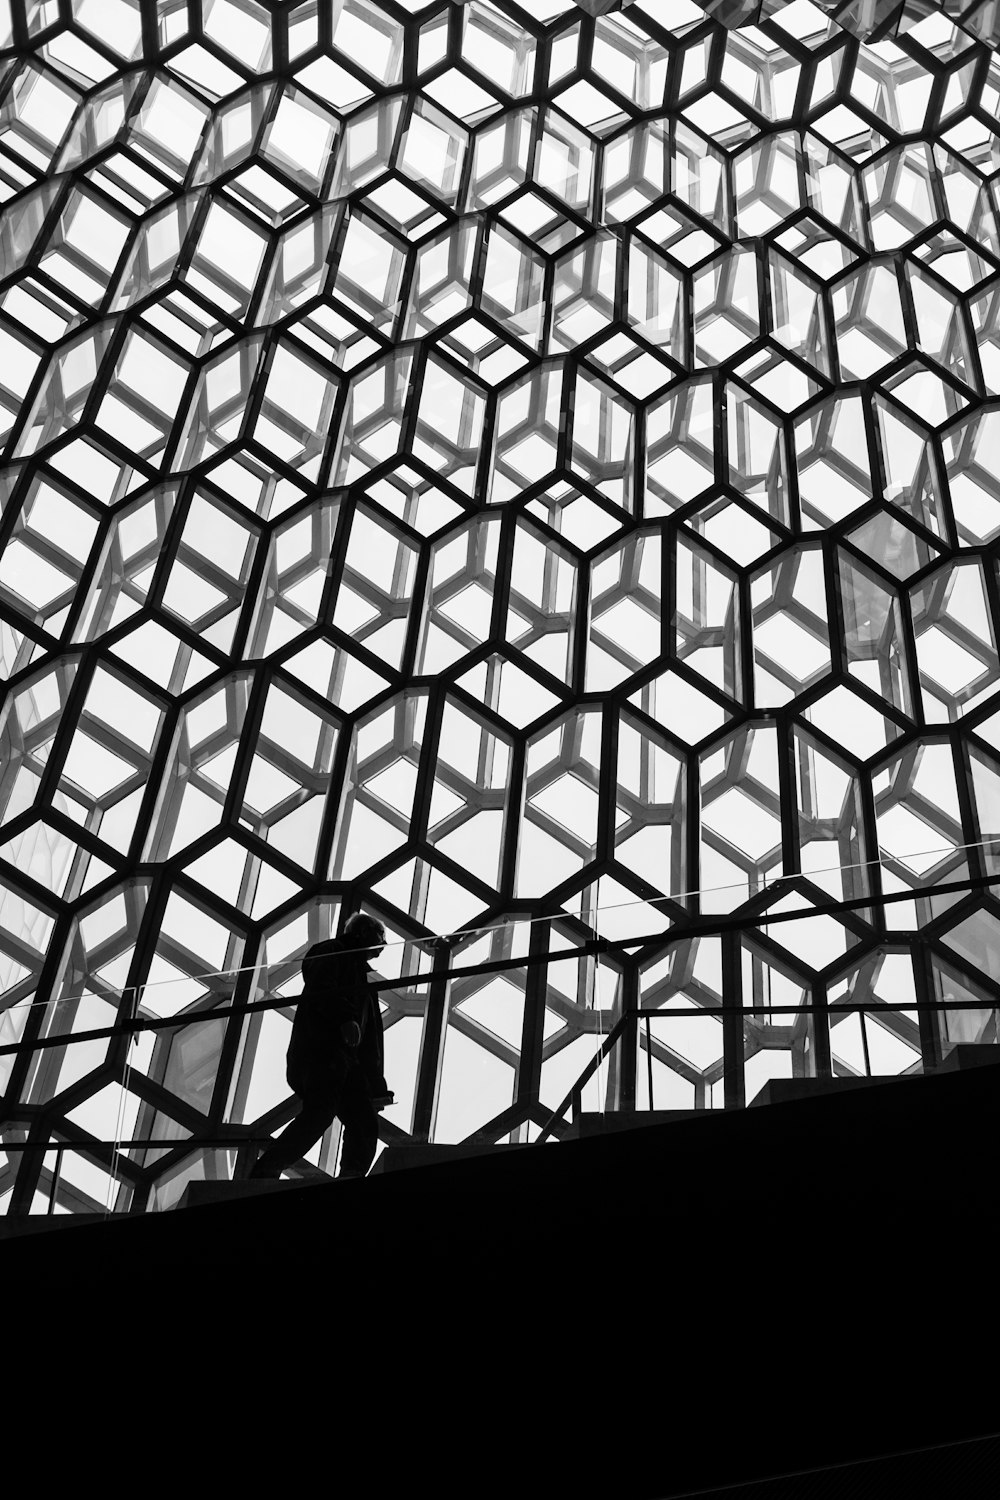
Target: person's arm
(371, 1054)
(353, 997)
(321, 966)
(330, 974)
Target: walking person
(335, 1056)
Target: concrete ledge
(789, 1090)
(13, 1226)
(970, 1055)
(959, 1060)
(408, 1154)
(197, 1193)
(425, 1153)
(593, 1123)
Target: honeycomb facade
(530, 474)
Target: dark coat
(336, 992)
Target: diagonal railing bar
(769, 887)
(681, 932)
(146, 1143)
(846, 1007)
(588, 1072)
(238, 1138)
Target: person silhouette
(335, 1056)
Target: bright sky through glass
(483, 463)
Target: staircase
(714, 1298)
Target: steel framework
(529, 472)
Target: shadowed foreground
(645, 1312)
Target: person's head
(363, 931)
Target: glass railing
(118, 1099)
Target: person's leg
(360, 1120)
(313, 1120)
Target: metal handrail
(680, 932)
(574, 1095)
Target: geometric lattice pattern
(480, 464)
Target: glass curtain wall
(529, 474)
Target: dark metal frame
(614, 524)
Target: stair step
(959, 1060)
(197, 1193)
(970, 1055)
(786, 1090)
(592, 1122)
(406, 1154)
